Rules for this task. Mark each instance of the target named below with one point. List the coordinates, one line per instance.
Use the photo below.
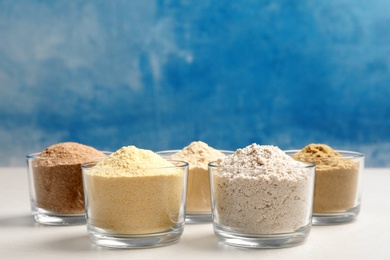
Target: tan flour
(261, 190)
(57, 177)
(134, 191)
(336, 181)
(198, 155)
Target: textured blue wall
(160, 74)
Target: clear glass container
(56, 190)
(267, 209)
(198, 202)
(337, 191)
(126, 209)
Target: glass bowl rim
(307, 165)
(178, 150)
(183, 164)
(36, 156)
(344, 154)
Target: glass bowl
(198, 202)
(337, 191)
(262, 208)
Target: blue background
(160, 74)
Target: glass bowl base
(198, 218)
(350, 215)
(45, 217)
(104, 238)
(262, 241)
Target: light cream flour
(262, 190)
(198, 155)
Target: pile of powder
(134, 191)
(336, 183)
(139, 161)
(57, 177)
(262, 190)
(198, 155)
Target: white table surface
(21, 238)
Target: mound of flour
(261, 190)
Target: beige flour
(57, 177)
(336, 181)
(198, 155)
(134, 191)
(261, 190)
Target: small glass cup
(56, 190)
(337, 191)
(267, 209)
(198, 202)
(127, 210)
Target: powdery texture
(134, 191)
(336, 184)
(198, 155)
(58, 179)
(261, 190)
(132, 161)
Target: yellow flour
(132, 161)
(336, 180)
(198, 155)
(134, 191)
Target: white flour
(261, 190)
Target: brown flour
(261, 190)
(57, 177)
(336, 181)
(198, 155)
